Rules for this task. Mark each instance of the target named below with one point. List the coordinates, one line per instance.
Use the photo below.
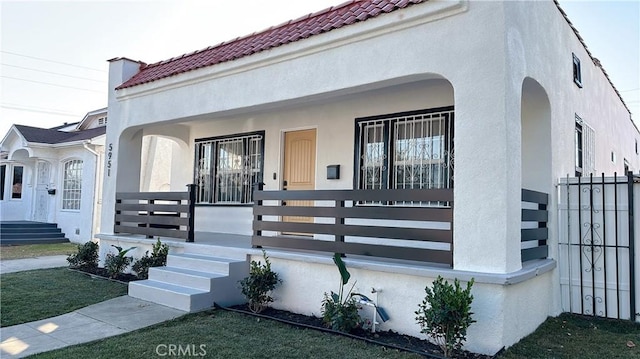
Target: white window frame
(72, 185)
(3, 180)
(13, 187)
(228, 167)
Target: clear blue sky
(53, 60)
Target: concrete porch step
(26, 232)
(175, 296)
(193, 282)
(33, 235)
(199, 262)
(216, 251)
(185, 277)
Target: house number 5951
(109, 155)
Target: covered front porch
(399, 284)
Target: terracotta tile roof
(313, 24)
(53, 136)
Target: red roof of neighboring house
(313, 24)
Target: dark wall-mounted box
(333, 172)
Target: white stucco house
(470, 102)
(53, 175)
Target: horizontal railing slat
(409, 253)
(172, 208)
(539, 252)
(158, 196)
(160, 219)
(415, 234)
(534, 196)
(534, 234)
(371, 212)
(382, 195)
(173, 233)
(535, 215)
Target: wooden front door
(299, 168)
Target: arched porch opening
(536, 137)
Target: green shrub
(260, 282)
(115, 264)
(158, 258)
(445, 314)
(340, 311)
(87, 257)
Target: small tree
(445, 314)
(260, 282)
(87, 257)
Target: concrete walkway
(98, 321)
(19, 265)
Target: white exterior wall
(547, 58)
(487, 202)
(497, 300)
(335, 126)
(484, 51)
(78, 226)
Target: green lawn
(33, 295)
(37, 250)
(40, 294)
(574, 336)
(221, 334)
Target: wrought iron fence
(597, 252)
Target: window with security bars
(227, 168)
(72, 185)
(585, 143)
(408, 150)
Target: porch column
(122, 148)
(487, 176)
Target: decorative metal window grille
(228, 168)
(72, 185)
(406, 151)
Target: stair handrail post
(192, 206)
(258, 186)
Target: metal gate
(596, 258)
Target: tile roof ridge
(255, 33)
(345, 14)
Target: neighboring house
(479, 99)
(53, 175)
